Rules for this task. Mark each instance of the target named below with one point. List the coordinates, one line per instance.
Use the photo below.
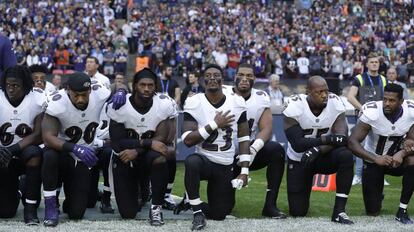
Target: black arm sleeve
(119, 140)
(189, 117)
(297, 140)
(242, 118)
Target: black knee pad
(50, 158)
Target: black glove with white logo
(310, 156)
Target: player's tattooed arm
(50, 130)
(35, 138)
(265, 126)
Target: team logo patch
(14, 111)
(86, 84)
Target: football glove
(310, 156)
(5, 157)
(119, 99)
(85, 154)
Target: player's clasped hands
(383, 160)
(128, 155)
(159, 147)
(224, 119)
(409, 145)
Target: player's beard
(244, 90)
(144, 99)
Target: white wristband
(203, 132)
(184, 135)
(213, 125)
(244, 158)
(257, 145)
(243, 139)
(244, 171)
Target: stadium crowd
(61, 34)
(331, 38)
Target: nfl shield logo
(142, 119)
(14, 111)
(83, 115)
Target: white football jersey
(18, 122)
(256, 104)
(78, 126)
(219, 147)
(385, 137)
(312, 126)
(143, 126)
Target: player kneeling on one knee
(139, 132)
(384, 125)
(264, 153)
(210, 122)
(316, 130)
(20, 117)
(68, 130)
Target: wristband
(147, 143)
(244, 171)
(203, 132)
(243, 139)
(184, 135)
(245, 158)
(68, 147)
(257, 145)
(213, 125)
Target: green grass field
(249, 201)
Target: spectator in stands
(303, 65)
(39, 73)
(57, 81)
(275, 93)
(392, 78)
(119, 82)
(168, 85)
(91, 68)
(109, 61)
(32, 58)
(192, 87)
(62, 57)
(121, 60)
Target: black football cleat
(199, 221)
(402, 216)
(155, 216)
(184, 205)
(30, 215)
(273, 212)
(106, 207)
(342, 218)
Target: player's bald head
(316, 81)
